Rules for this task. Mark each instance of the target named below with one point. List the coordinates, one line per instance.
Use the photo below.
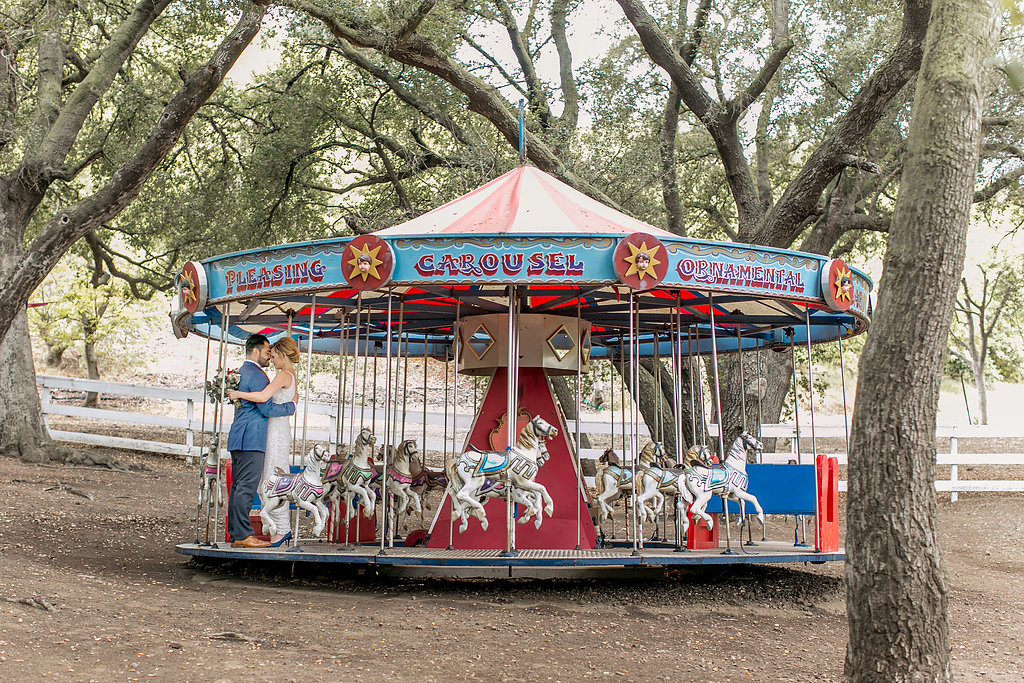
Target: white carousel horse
(208, 481)
(531, 500)
(400, 479)
(728, 481)
(353, 477)
(306, 490)
(613, 479)
(656, 480)
(516, 467)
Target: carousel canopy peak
(523, 201)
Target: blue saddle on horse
(717, 475)
(491, 462)
(621, 474)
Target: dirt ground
(125, 606)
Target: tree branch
(102, 254)
(722, 127)
(484, 99)
(570, 95)
(403, 93)
(779, 227)
(414, 20)
(534, 87)
(495, 63)
(8, 89)
(992, 189)
(61, 135)
(68, 226)
(735, 108)
(51, 66)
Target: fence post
(45, 401)
(190, 413)
(953, 469)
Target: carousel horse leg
(744, 496)
(468, 495)
(318, 526)
(682, 523)
(268, 523)
(534, 487)
(699, 504)
(324, 512)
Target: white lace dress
(279, 451)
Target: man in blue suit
(247, 441)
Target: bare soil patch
(129, 608)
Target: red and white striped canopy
(523, 201)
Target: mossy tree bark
(896, 580)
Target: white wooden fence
(326, 414)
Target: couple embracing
(261, 436)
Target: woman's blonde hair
(287, 347)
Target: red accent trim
(698, 537)
(557, 475)
(826, 527)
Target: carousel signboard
(498, 258)
(639, 261)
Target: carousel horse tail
(449, 471)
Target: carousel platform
(431, 562)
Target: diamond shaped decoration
(561, 343)
(586, 346)
(481, 342)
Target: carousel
(485, 301)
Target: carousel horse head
(365, 442)
(541, 428)
(751, 442)
(318, 454)
(700, 454)
(405, 452)
(652, 454)
(609, 457)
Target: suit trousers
(246, 470)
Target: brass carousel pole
(721, 426)
(203, 462)
(219, 420)
(387, 418)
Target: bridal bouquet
(223, 382)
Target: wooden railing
(186, 408)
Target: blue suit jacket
(249, 428)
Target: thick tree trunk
(22, 434)
(774, 380)
(566, 395)
(896, 596)
(651, 406)
(979, 383)
(92, 368)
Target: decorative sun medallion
(837, 285)
(367, 263)
(192, 286)
(641, 261)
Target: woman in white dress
(284, 354)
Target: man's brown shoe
(251, 542)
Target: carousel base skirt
(620, 562)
